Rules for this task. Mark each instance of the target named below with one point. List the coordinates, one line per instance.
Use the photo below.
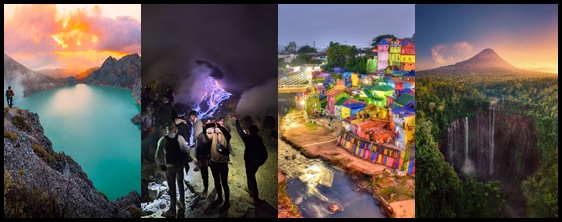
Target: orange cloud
(447, 53)
(82, 32)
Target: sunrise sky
(524, 35)
(75, 37)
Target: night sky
(240, 39)
(524, 35)
(347, 24)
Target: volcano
(486, 62)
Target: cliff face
(39, 182)
(123, 73)
(17, 75)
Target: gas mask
(210, 130)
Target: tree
(340, 56)
(291, 48)
(306, 49)
(377, 39)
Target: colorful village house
(398, 85)
(372, 64)
(410, 76)
(390, 70)
(336, 94)
(394, 53)
(408, 56)
(383, 53)
(365, 96)
(409, 84)
(366, 80)
(338, 106)
(350, 107)
(403, 116)
(381, 90)
(389, 100)
(354, 80)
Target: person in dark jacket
(203, 154)
(10, 96)
(184, 129)
(255, 156)
(168, 158)
(165, 112)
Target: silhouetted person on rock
(10, 96)
(255, 156)
(219, 166)
(165, 113)
(170, 157)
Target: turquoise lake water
(93, 125)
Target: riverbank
(287, 209)
(393, 190)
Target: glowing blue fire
(210, 102)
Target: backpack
(9, 93)
(173, 150)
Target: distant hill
(17, 75)
(123, 73)
(485, 62)
(57, 73)
(81, 76)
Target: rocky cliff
(19, 76)
(39, 182)
(123, 73)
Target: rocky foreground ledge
(40, 183)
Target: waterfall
(466, 139)
(450, 144)
(492, 144)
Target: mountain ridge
(17, 74)
(486, 61)
(123, 73)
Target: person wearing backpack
(184, 129)
(10, 96)
(203, 154)
(170, 158)
(255, 156)
(220, 155)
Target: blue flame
(210, 102)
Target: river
(314, 185)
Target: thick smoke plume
(182, 45)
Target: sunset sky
(524, 35)
(349, 24)
(75, 37)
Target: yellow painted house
(354, 80)
(408, 62)
(345, 112)
(375, 112)
(394, 53)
